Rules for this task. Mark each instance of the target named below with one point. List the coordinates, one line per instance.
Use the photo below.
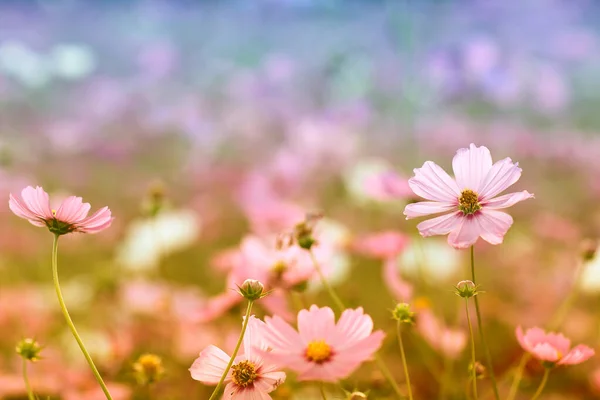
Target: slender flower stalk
(540, 388)
(65, 312)
(473, 358)
(322, 389)
(518, 376)
(486, 350)
(403, 355)
(340, 306)
(30, 395)
(235, 351)
(337, 301)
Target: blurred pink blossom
(449, 342)
(552, 347)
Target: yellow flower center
(279, 269)
(243, 373)
(318, 351)
(468, 202)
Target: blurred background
(201, 122)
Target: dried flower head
(148, 369)
(403, 314)
(29, 349)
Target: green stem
(518, 376)
(566, 305)
(322, 389)
(26, 379)
(473, 358)
(235, 352)
(404, 364)
(540, 388)
(486, 350)
(65, 312)
(337, 301)
(340, 306)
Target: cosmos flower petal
(270, 381)
(37, 201)
(72, 210)
(493, 225)
(441, 225)
(424, 208)
(471, 166)
(316, 323)
(433, 183)
(507, 200)
(97, 222)
(465, 234)
(354, 325)
(577, 355)
(545, 352)
(503, 174)
(21, 210)
(210, 365)
(280, 334)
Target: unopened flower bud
(466, 289)
(480, 371)
(252, 290)
(403, 314)
(589, 248)
(29, 349)
(155, 199)
(148, 369)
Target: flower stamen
(468, 202)
(318, 351)
(243, 374)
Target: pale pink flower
(251, 375)
(387, 186)
(552, 347)
(401, 289)
(322, 350)
(449, 342)
(71, 216)
(470, 198)
(382, 245)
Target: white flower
(150, 239)
(437, 261)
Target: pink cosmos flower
(470, 197)
(71, 216)
(321, 349)
(552, 347)
(250, 377)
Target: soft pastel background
(246, 114)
